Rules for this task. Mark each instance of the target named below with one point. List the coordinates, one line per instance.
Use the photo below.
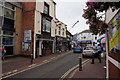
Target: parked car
(87, 51)
(77, 49)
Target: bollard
(31, 58)
(80, 63)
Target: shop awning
(85, 41)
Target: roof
(86, 31)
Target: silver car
(87, 51)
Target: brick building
(38, 20)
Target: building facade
(113, 43)
(60, 33)
(86, 38)
(39, 17)
(10, 27)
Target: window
(1, 21)
(55, 31)
(46, 8)
(84, 37)
(63, 32)
(7, 32)
(1, 11)
(46, 25)
(9, 13)
(8, 40)
(8, 23)
(59, 30)
(8, 5)
(1, 2)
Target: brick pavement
(21, 63)
(91, 70)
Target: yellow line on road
(70, 70)
(45, 61)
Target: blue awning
(85, 41)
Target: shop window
(8, 23)
(7, 32)
(8, 40)
(9, 50)
(9, 13)
(46, 8)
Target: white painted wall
(88, 36)
(38, 16)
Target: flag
(75, 23)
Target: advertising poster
(114, 34)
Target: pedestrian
(2, 52)
(94, 52)
(99, 53)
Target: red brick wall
(28, 20)
(114, 72)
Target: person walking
(99, 53)
(2, 52)
(94, 52)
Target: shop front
(44, 46)
(61, 44)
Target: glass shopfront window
(7, 32)
(8, 40)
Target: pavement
(16, 64)
(91, 71)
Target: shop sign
(27, 35)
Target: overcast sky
(69, 12)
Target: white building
(87, 37)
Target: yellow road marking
(70, 70)
(45, 61)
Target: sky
(69, 12)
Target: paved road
(53, 69)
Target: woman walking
(2, 52)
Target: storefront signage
(27, 35)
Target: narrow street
(53, 69)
